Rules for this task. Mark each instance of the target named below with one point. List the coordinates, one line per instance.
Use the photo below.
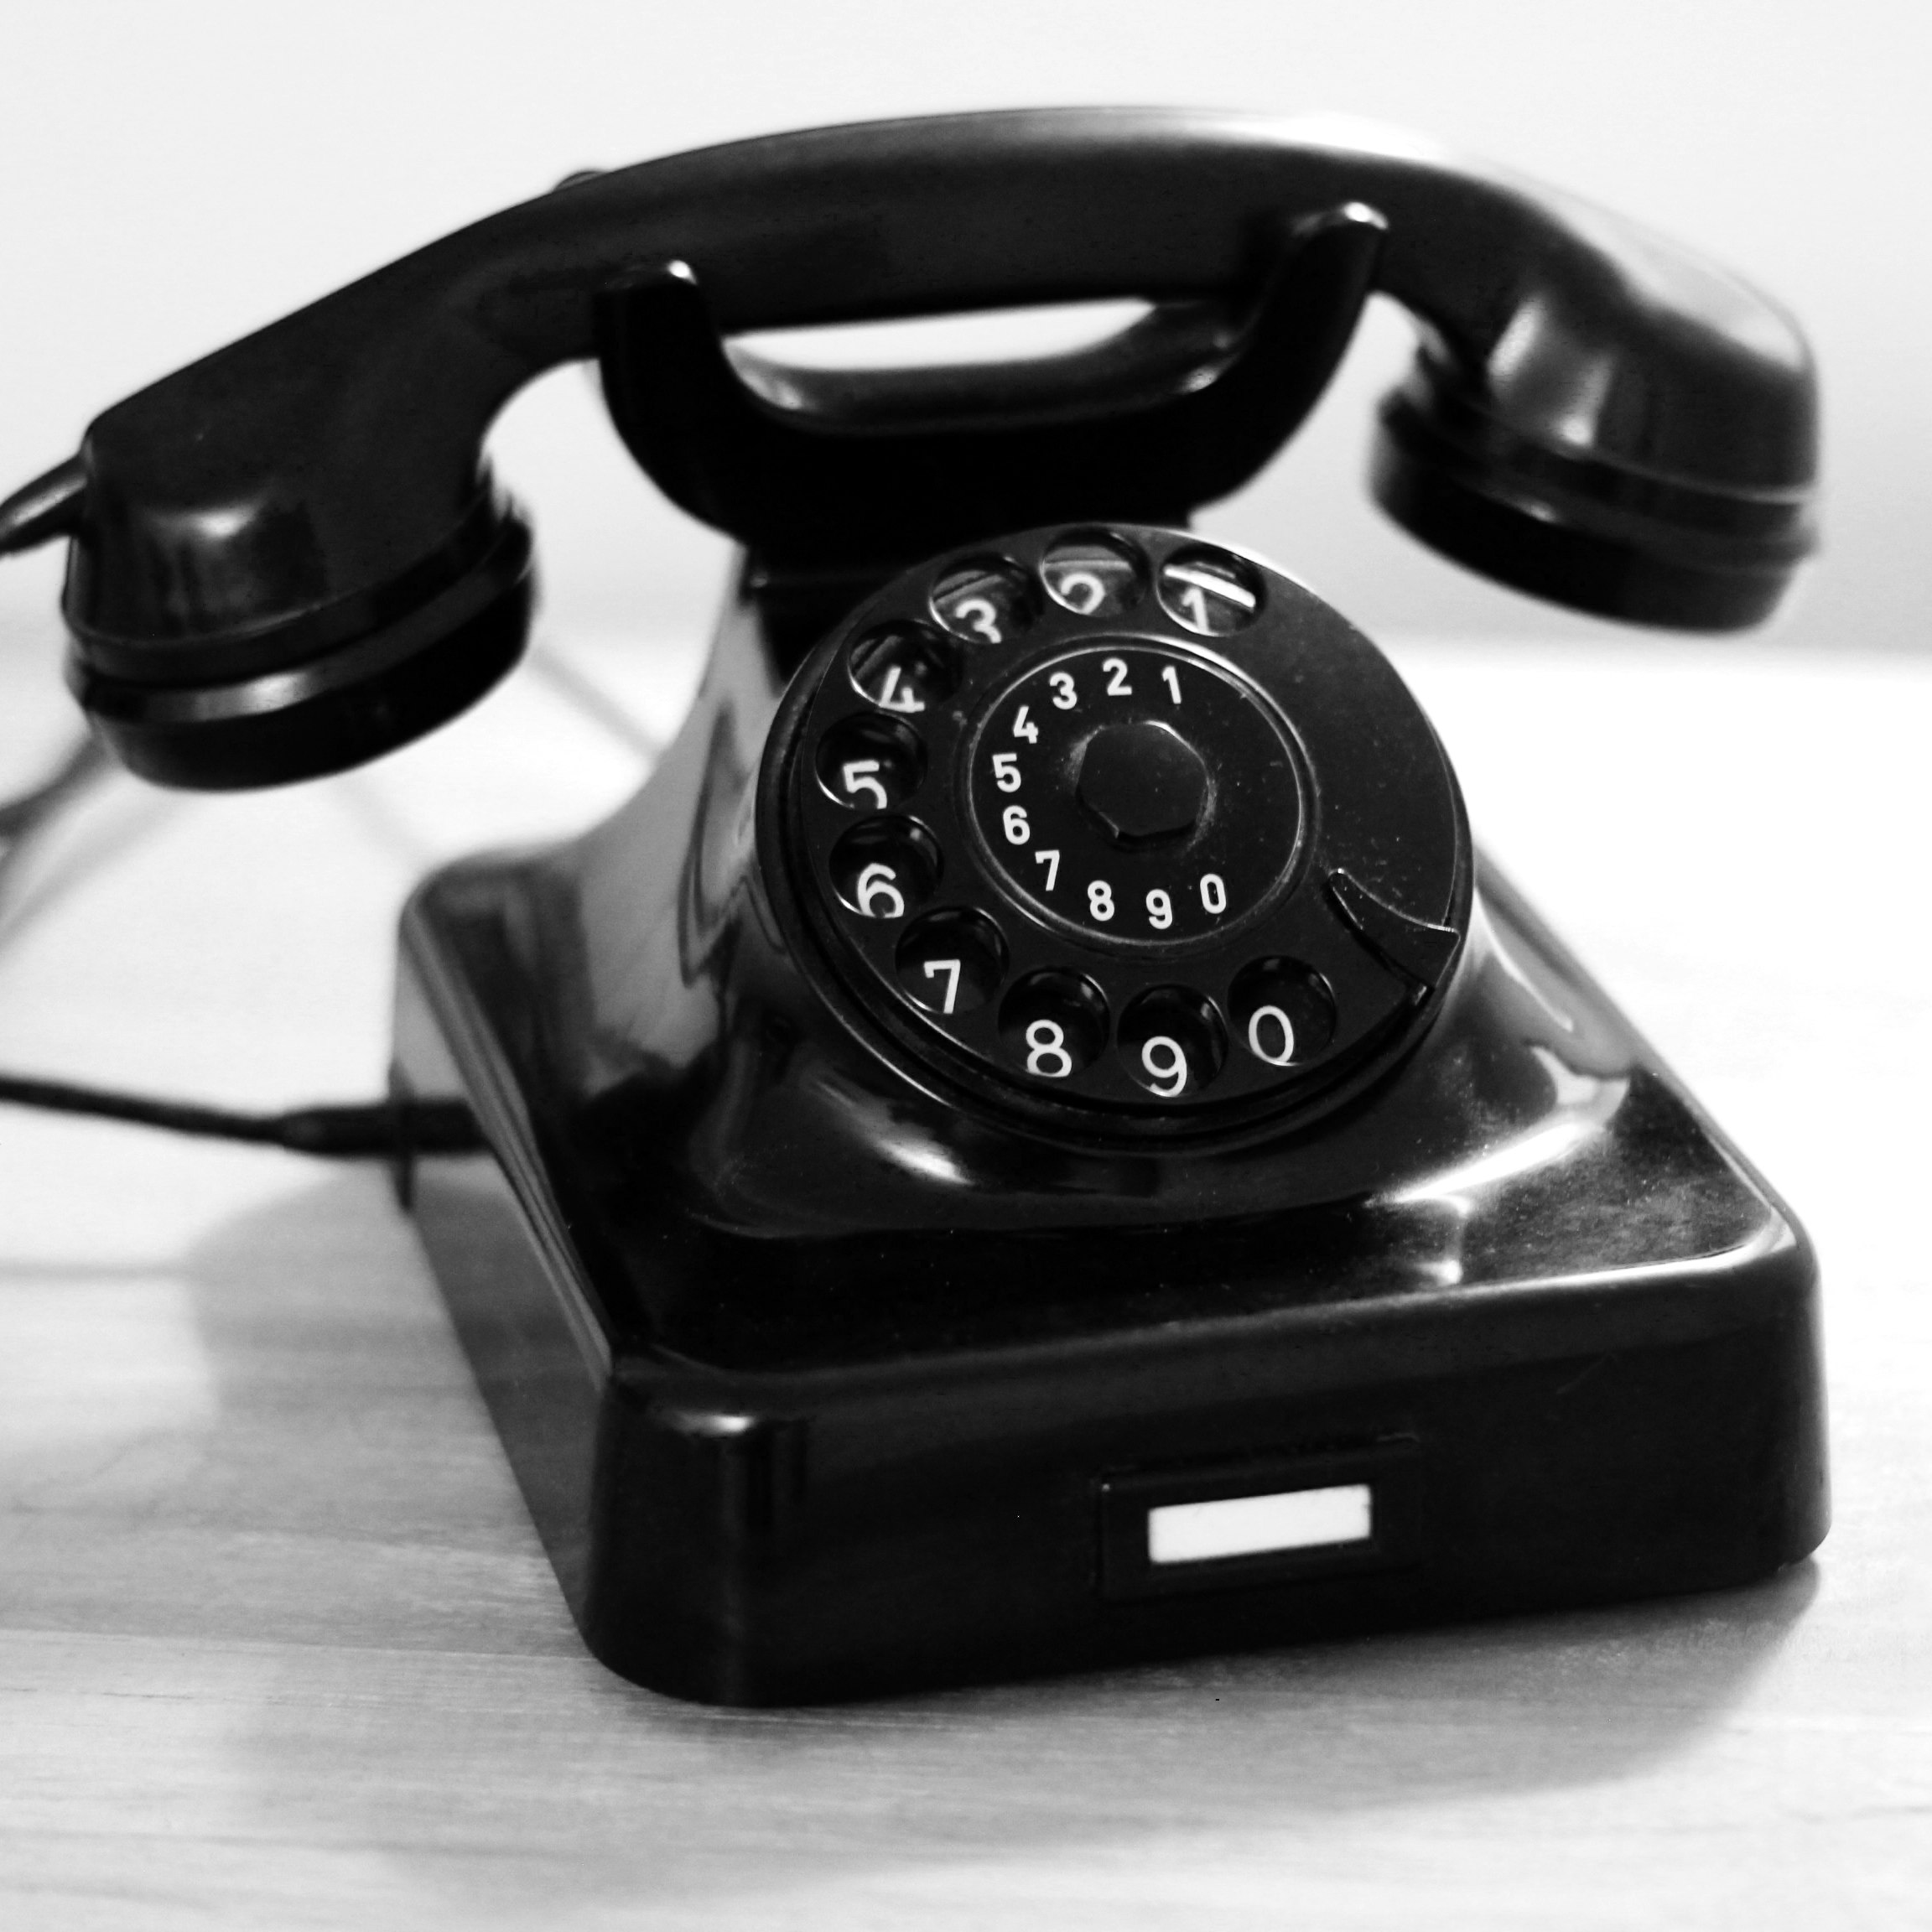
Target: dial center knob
(1142, 783)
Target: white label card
(1253, 1525)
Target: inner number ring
(1136, 793)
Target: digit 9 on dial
(1120, 830)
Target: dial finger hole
(885, 868)
(1053, 1024)
(1209, 591)
(904, 668)
(871, 764)
(951, 961)
(1284, 1013)
(1092, 575)
(1172, 1042)
(987, 602)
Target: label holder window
(1263, 1519)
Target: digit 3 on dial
(1118, 830)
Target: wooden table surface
(278, 1644)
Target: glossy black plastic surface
(373, 674)
(820, 1383)
(830, 468)
(290, 528)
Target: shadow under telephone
(1034, 1140)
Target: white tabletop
(278, 1644)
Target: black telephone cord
(373, 1129)
(389, 1130)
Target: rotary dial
(1119, 821)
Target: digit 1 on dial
(1210, 592)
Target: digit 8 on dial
(1117, 828)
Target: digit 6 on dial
(877, 890)
(885, 867)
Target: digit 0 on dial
(1284, 1014)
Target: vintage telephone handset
(1033, 1141)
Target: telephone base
(1577, 1365)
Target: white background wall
(176, 174)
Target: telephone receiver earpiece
(289, 556)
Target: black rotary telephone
(1034, 1140)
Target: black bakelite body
(1040, 1065)
(825, 1376)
